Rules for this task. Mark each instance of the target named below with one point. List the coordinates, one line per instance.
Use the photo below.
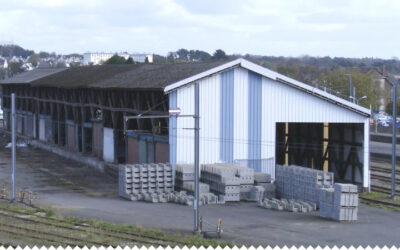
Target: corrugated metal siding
(255, 119)
(185, 125)
(241, 114)
(209, 110)
(260, 107)
(227, 110)
(287, 104)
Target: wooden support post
(325, 142)
(286, 143)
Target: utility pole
(394, 138)
(13, 145)
(394, 85)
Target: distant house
(3, 63)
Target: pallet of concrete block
(143, 179)
(184, 173)
(295, 182)
(222, 181)
(246, 175)
(184, 198)
(339, 203)
(189, 186)
(264, 180)
(290, 205)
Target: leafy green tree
(338, 82)
(130, 61)
(389, 107)
(34, 59)
(116, 59)
(219, 54)
(15, 68)
(157, 59)
(43, 54)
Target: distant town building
(3, 63)
(100, 58)
(141, 58)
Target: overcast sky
(271, 27)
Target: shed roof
(274, 76)
(32, 75)
(135, 76)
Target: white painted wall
(210, 91)
(240, 114)
(185, 125)
(108, 145)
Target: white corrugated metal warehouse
(254, 116)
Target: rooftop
(135, 76)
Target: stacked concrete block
(264, 180)
(290, 205)
(222, 180)
(256, 193)
(189, 186)
(184, 198)
(339, 203)
(184, 173)
(295, 182)
(139, 179)
(125, 182)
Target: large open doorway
(333, 147)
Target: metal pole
(354, 94)
(196, 159)
(13, 145)
(394, 138)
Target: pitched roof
(32, 75)
(274, 76)
(131, 76)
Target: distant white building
(3, 63)
(141, 58)
(100, 58)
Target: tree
(389, 108)
(15, 68)
(116, 59)
(43, 54)
(219, 54)
(34, 59)
(183, 55)
(130, 61)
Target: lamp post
(394, 85)
(177, 113)
(357, 100)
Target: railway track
(120, 236)
(380, 202)
(381, 176)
